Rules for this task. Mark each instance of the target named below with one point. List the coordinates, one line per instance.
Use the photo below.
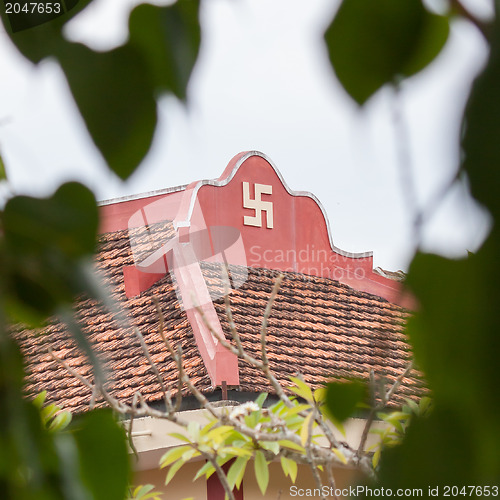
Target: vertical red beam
(215, 490)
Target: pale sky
(263, 82)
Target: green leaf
(433, 37)
(374, 42)
(425, 404)
(233, 450)
(272, 446)
(40, 399)
(207, 469)
(180, 437)
(252, 420)
(319, 394)
(455, 330)
(261, 399)
(285, 443)
(169, 38)
(302, 389)
(48, 244)
(193, 429)
(395, 416)
(343, 397)
(145, 492)
(204, 430)
(219, 434)
(115, 96)
(140, 491)
(173, 470)
(61, 421)
(189, 454)
(237, 471)
(289, 468)
(413, 406)
(338, 425)
(304, 431)
(49, 411)
(65, 223)
(172, 455)
(295, 410)
(103, 455)
(68, 458)
(481, 127)
(261, 471)
(3, 171)
(279, 407)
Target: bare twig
(118, 406)
(166, 393)
(331, 481)
(310, 456)
(168, 345)
(130, 427)
(229, 313)
(327, 431)
(221, 475)
(267, 313)
(85, 381)
(376, 408)
(398, 381)
(242, 354)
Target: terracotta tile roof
(119, 348)
(318, 327)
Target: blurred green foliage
(116, 90)
(46, 246)
(454, 332)
(375, 42)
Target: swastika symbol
(258, 205)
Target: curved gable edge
(229, 173)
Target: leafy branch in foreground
(397, 423)
(301, 428)
(57, 420)
(143, 492)
(54, 418)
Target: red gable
(252, 217)
(249, 218)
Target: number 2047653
(33, 8)
(470, 491)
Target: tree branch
(166, 394)
(376, 408)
